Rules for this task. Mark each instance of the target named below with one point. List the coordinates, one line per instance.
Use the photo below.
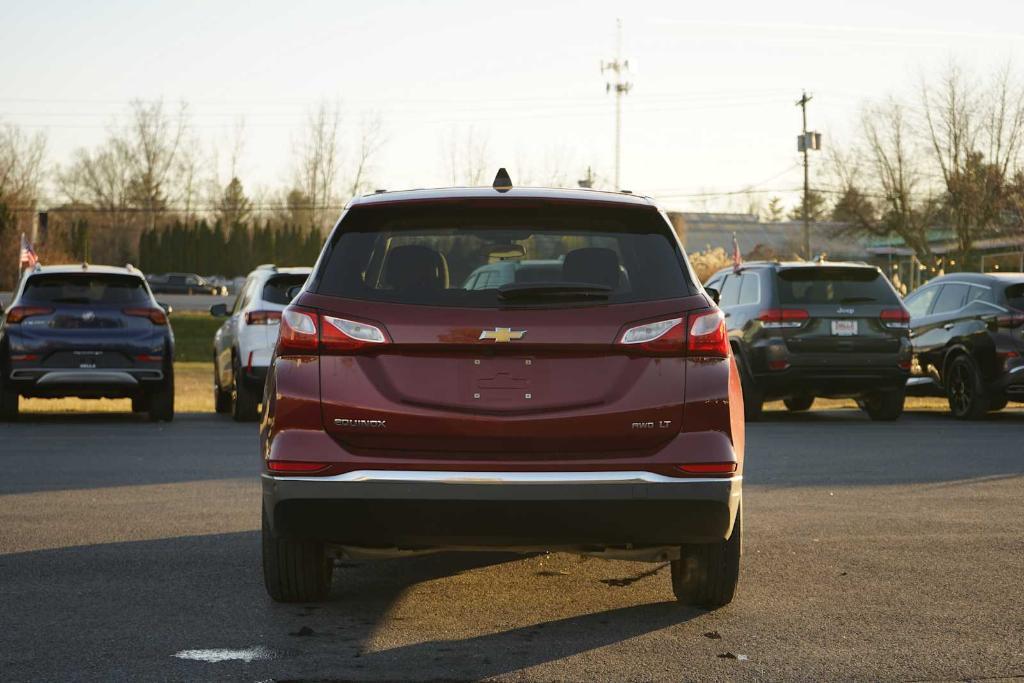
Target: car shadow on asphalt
(123, 610)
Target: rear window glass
(460, 254)
(823, 285)
(85, 288)
(1015, 295)
(275, 291)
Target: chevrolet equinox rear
(583, 399)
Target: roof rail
(266, 266)
(130, 267)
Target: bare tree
(22, 158)
(975, 132)
(154, 138)
(466, 158)
(316, 171)
(369, 143)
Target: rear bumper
(832, 381)
(84, 382)
(418, 509)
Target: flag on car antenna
(502, 181)
(737, 258)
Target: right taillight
(1011, 319)
(699, 334)
(783, 318)
(18, 313)
(305, 332)
(897, 318)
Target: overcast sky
(711, 110)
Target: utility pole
(620, 67)
(807, 141)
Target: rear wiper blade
(575, 290)
(857, 300)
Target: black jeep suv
(806, 329)
(968, 336)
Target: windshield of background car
(824, 285)
(276, 289)
(459, 254)
(85, 288)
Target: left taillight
(305, 332)
(157, 316)
(262, 317)
(298, 336)
(698, 334)
(18, 313)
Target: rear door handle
(949, 326)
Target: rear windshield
(460, 254)
(85, 288)
(275, 291)
(1015, 295)
(823, 285)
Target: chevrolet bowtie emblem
(502, 334)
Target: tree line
(199, 247)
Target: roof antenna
(502, 181)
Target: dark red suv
(522, 369)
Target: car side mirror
(713, 293)
(293, 292)
(168, 309)
(219, 310)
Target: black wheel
(161, 401)
(884, 406)
(244, 401)
(140, 404)
(8, 401)
(753, 397)
(964, 389)
(706, 574)
(221, 397)
(293, 570)
(796, 404)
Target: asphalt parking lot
(895, 551)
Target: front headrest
(592, 265)
(415, 267)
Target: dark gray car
(801, 330)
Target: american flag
(737, 258)
(28, 257)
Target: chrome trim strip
(449, 477)
(1019, 368)
(87, 377)
(919, 381)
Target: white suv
(245, 342)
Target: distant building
(763, 240)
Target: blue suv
(90, 332)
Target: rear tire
(797, 404)
(9, 399)
(997, 403)
(753, 397)
(244, 401)
(706, 574)
(140, 404)
(884, 406)
(295, 571)
(161, 401)
(221, 397)
(965, 390)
